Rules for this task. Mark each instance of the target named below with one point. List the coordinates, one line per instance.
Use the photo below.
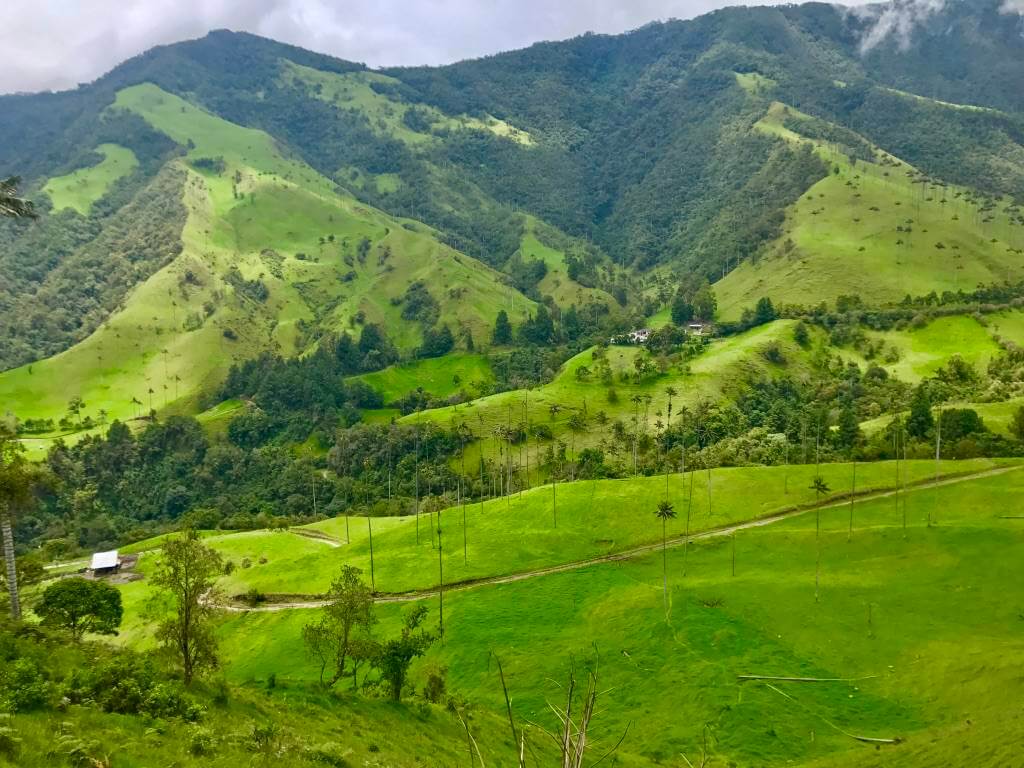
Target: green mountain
(213, 199)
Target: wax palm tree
(10, 204)
(671, 392)
(665, 512)
(819, 486)
(15, 493)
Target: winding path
(627, 554)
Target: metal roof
(105, 560)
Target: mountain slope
(273, 257)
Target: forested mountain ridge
(643, 149)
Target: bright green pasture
(997, 416)
(921, 622)
(924, 350)
(440, 376)
(1009, 325)
(848, 235)
(518, 534)
(81, 188)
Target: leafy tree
(80, 605)
(436, 342)
(849, 433)
(188, 571)
(397, 654)
(1017, 423)
(502, 329)
(705, 305)
(920, 421)
(764, 312)
(665, 512)
(801, 335)
(682, 310)
(348, 613)
(539, 329)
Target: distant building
(105, 563)
(697, 329)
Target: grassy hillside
(997, 416)
(441, 377)
(387, 113)
(895, 629)
(521, 533)
(256, 215)
(875, 228)
(920, 352)
(713, 375)
(81, 188)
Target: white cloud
(898, 20)
(52, 44)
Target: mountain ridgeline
(631, 157)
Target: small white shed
(105, 562)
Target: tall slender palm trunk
(12, 574)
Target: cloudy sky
(55, 44)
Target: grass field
(518, 534)
(441, 376)
(81, 188)
(273, 219)
(874, 231)
(922, 351)
(557, 283)
(997, 416)
(918, 626)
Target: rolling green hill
(875, 228)
(893, 636)
(81, 188)
(327, 263)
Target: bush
(23, 687)
(201, 741)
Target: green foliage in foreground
(86, 705)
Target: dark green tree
(920, 422)
(682, 310)
(397, 654)
(80, 605)
(764, 312)
(502, 329)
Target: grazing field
(916, 627)
(544, 527)
(875, 230)
(441, 376)
(81, 188)
(922, 351)
(997, 416)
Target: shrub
(201, 741)
(23, 687)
